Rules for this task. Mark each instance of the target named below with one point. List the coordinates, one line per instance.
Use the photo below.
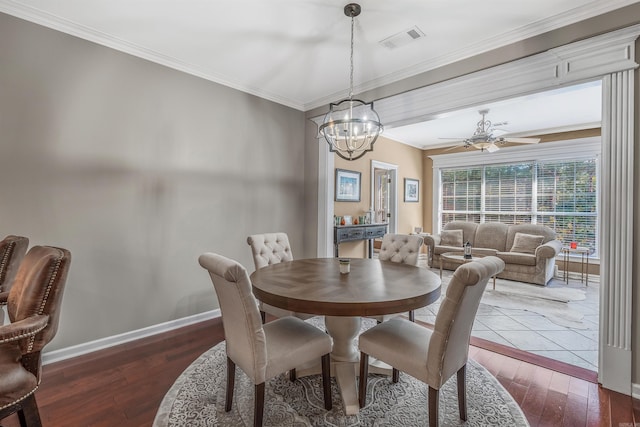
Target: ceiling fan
(487, 137)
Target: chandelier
(351, 126)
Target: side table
(584, 266)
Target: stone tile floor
(534, 333)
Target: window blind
(561, 194)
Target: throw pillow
(451, 238)
(526, 243)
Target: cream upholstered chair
(403, 249)
(12, 250)
(261, 351)
(34, 306)
(267, 249)
(432, 356)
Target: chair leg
(326, 381)
(292, 375)
(462, 392)
(231, 379)
(263, 316)
(395, 375)
(364, 373)
(258, 408)
(412, 316)
(433, 406)
(29, 415)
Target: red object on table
(574, 245)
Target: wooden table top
(372, 288)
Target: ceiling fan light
(483, 145)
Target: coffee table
(458, 257)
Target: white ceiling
(296, 52)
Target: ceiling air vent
(402, 38)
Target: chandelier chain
(351, 126)
(351, 62)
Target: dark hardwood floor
(124, 385)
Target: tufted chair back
(270, 248)
(267, 249)
(403, 249)
(449, 344)
(262, 352)
(37, 291)
(12, 250)
(432, 356)
(240, 317)
(400, 248)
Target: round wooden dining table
(371, 288)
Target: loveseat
(528, 250)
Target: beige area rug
(550, 302)
(197, 399)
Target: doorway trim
(393, 202)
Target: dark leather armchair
(33, 306)
(12, 250)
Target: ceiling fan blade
(492, 148)
(455, 146)
(522, 140)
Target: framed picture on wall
(411, 190)
(347, 186)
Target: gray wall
(137, 169)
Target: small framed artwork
(347, 186)
(411, 190)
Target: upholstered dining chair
(261, 351)
(12, 249)
(267, 249)
(403, 249)
(34, 310)
(432, 356)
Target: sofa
(528, 250)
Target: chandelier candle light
(351, 126)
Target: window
(561, 194)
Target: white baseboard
(102, 343)
(635, 391)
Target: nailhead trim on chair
(52, 279)
(21, 336)
(21, 399)
(5, 258)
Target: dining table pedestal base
(345, 360)
(345, 357)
